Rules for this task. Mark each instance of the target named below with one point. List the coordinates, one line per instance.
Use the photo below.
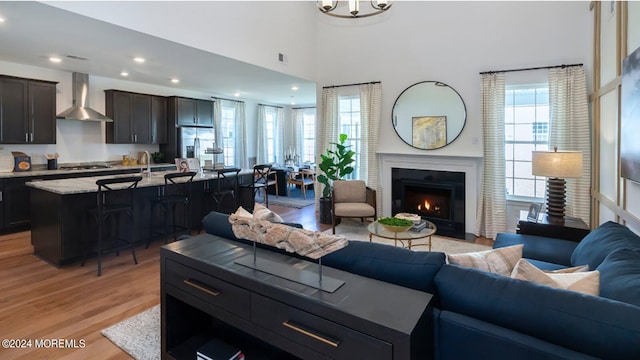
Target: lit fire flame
(427, 206)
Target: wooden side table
(573, 229)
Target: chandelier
(329, 7)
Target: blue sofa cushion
(547, 249)
(592, 325)
(602, 241)
(412, 269)
(620, 276)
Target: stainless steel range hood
(80, 109)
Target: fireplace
(437, 196)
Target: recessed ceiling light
(236, 94)
(139, 60)
(294, 88)
(124, 73)
(55, 59)
(175, 81)
(1, 19)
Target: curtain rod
(273, 106)
(304, 107)
(219, 98)
(337, 86)
(531, 68)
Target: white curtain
(217, 123)
(492, 204)
(261, 136)
(327, 129)
(570, 130)
(279, 122)
(297, 129)
(370, 110)
(240, 160)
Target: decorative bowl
(396, 224)
(396, 229)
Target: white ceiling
(32, 32)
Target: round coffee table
(378, 230)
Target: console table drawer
(209, 288)
(321, 335)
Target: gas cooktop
(85, 167)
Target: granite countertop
(40, 170)
(88, 184)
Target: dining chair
(303, 178)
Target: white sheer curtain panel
(241, 160)
(298, 131)
(570, 130)
(279, 135)
(327, 128)
(261, 135)
(492, 204)
(217, 123)
(370, 110)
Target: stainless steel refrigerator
(193, 141)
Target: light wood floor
(39, 301)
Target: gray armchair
(352, 199)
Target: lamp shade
(557, 164)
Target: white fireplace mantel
(468, 165)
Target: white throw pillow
(243, 213)
(498, 261)
(586, 282)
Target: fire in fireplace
(428, 200)
(437, 196)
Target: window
(526, 130)
(350, 124)
(270, 127)
(309, 136)
(227, 123)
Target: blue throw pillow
(412, 269)
(602, 241)
(620, 276)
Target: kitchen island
(60, 221)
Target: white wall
(449, 42)
(250, 31)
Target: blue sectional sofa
(479, 315)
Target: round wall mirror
(429, 115)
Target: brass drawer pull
(309, 333)
(201, 287)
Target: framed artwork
(429, 132)
(534, 210)
(630, 117)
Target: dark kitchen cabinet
(27, 111)
(190, 112)
(16, 201)
(158, 120)
(137, 118)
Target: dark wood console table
(206, 294)
(573, 229)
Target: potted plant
(335, 164)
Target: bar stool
(175, 193)
(114, 199)
(226, 185)
(262, 180)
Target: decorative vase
(6, 160)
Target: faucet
(148, 171)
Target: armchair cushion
(354, 210)
(349, 191)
